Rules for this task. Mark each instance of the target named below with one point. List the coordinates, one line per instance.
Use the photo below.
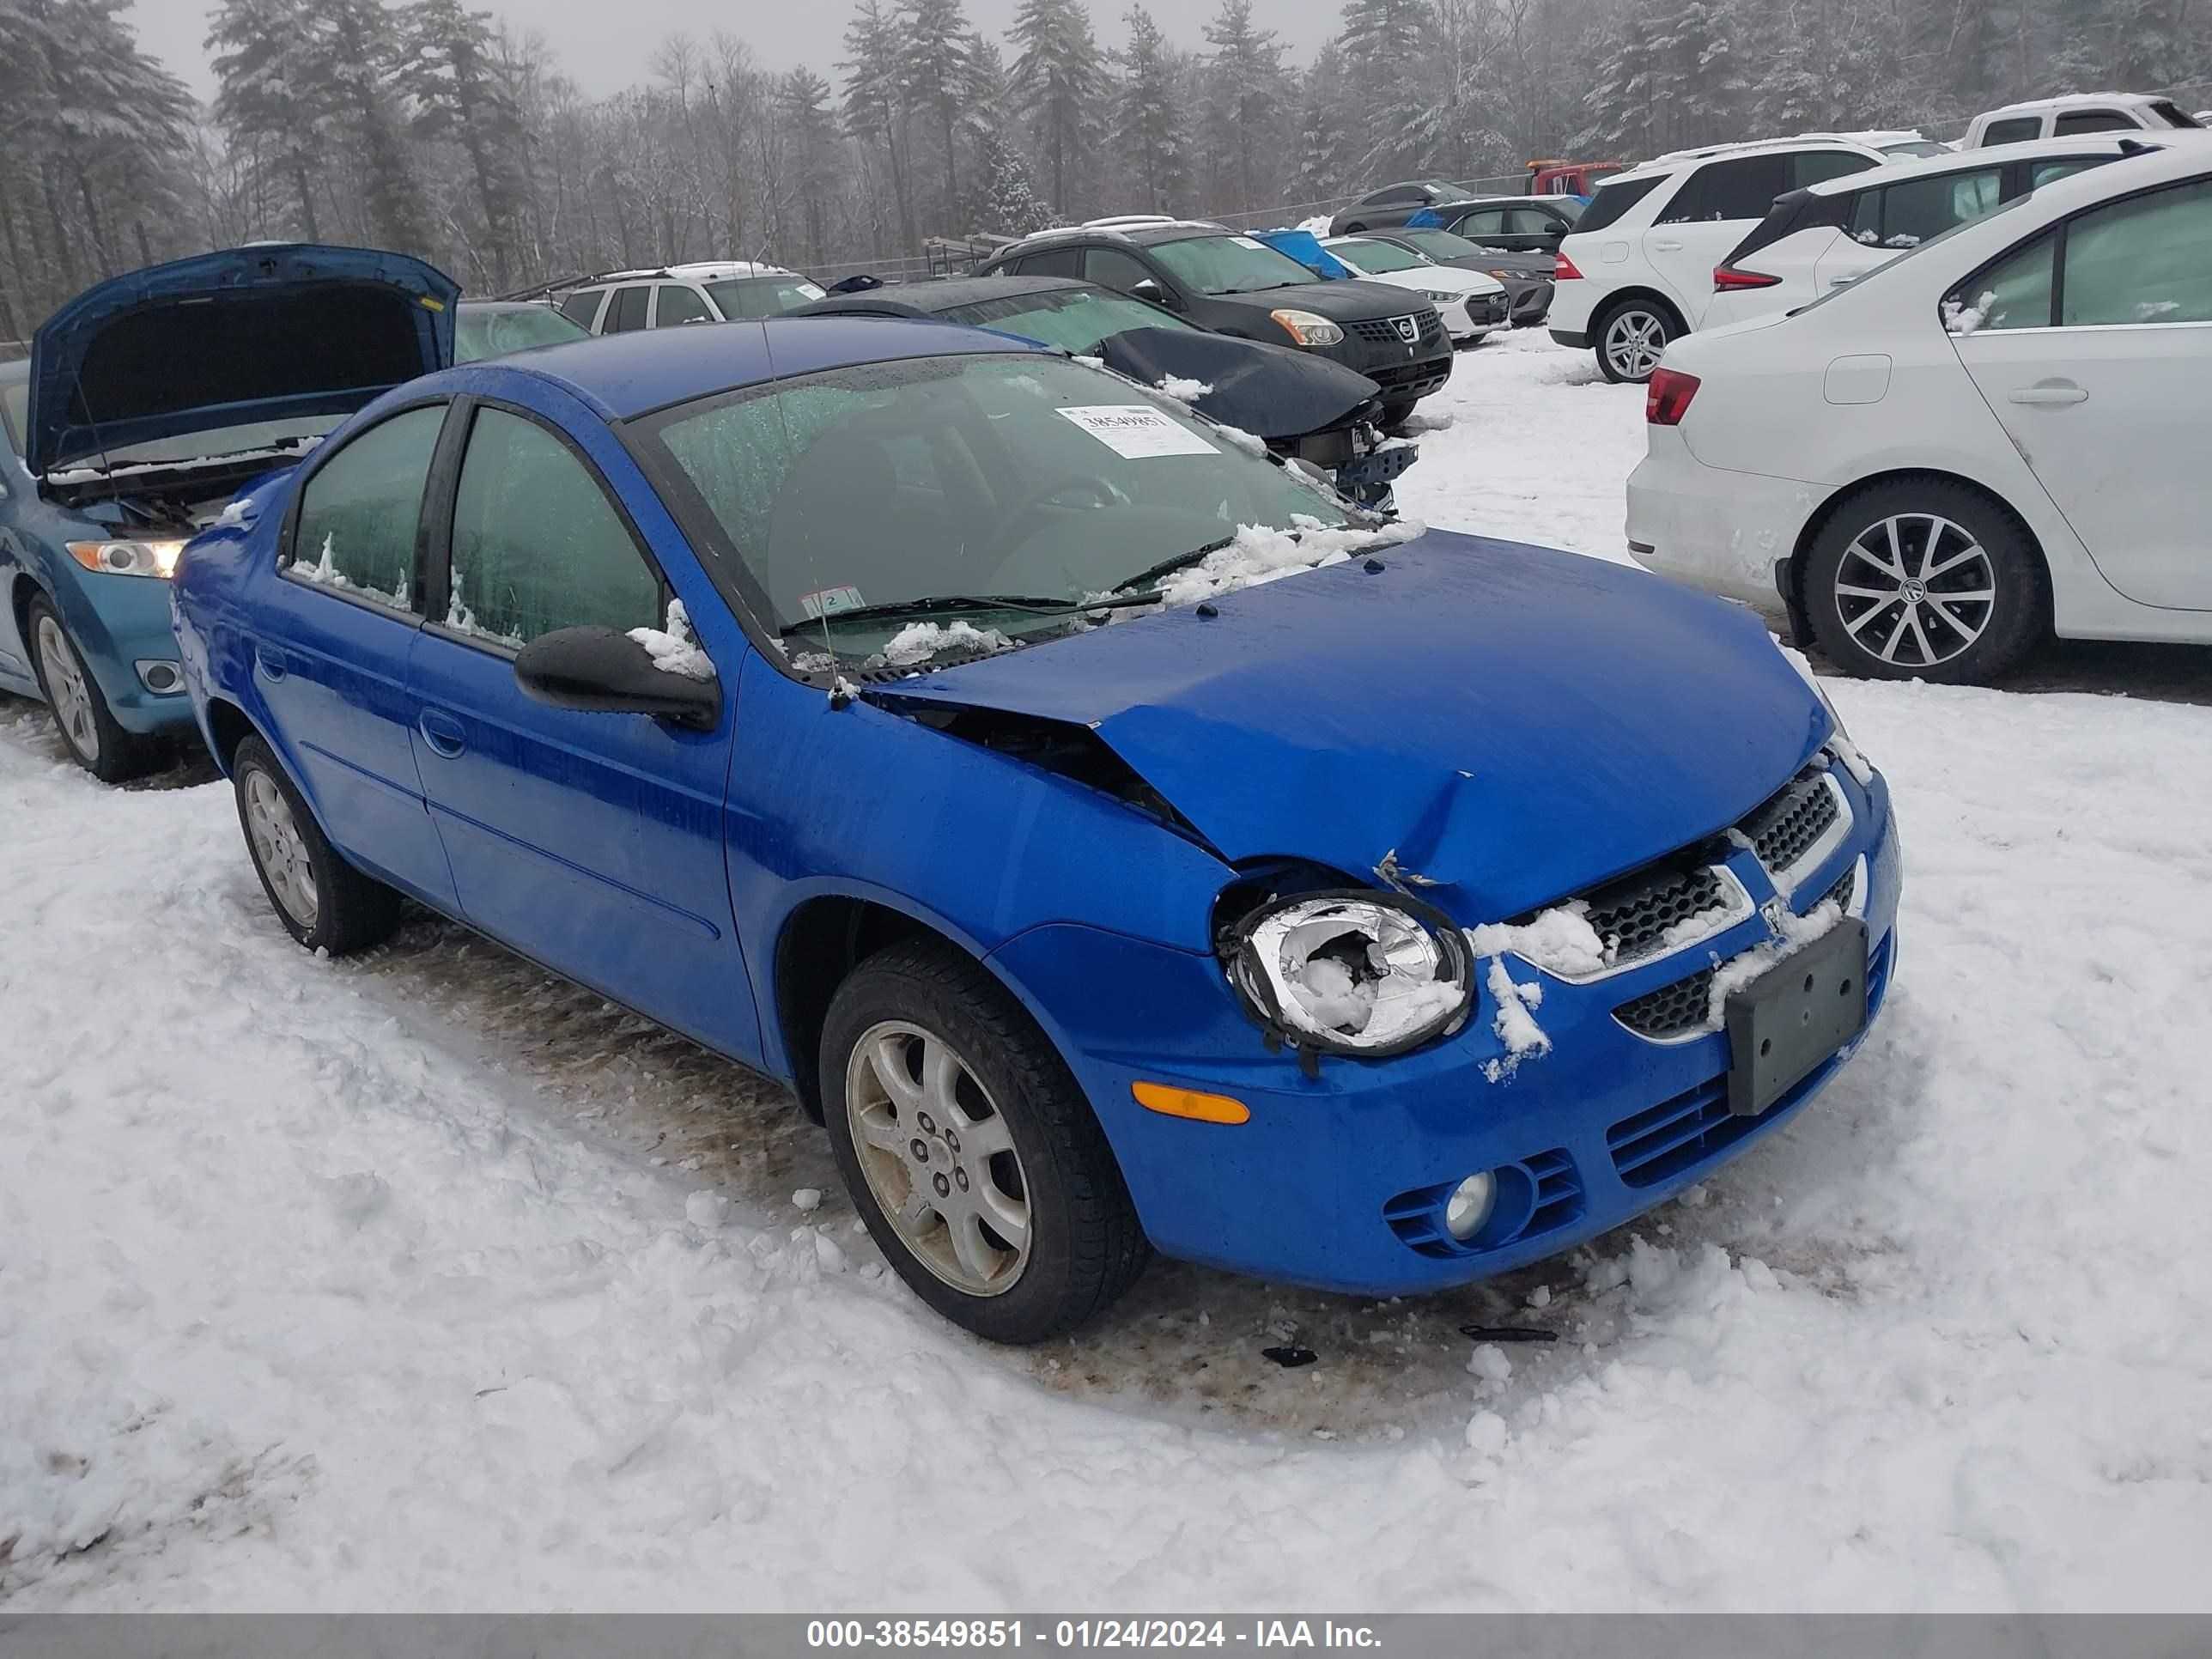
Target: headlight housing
(1441, 298)
(1354, 972)
(1308, 328)
(128, 558)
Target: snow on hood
(1517, 724)
(228, 338)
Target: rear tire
(969, 1150)
(87, 729)
(1629, 337)
(1958, 597)
(324, 902)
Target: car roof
(507, 305)
(1673, 159)
(624, 375)
(946, 295)
(1968, 161)
(2075, 100)
(1548, 198)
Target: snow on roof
(1967, 160)
(2074, 101)
(698, 270)
(1675, 158)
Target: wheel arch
(1817, 522)
(227, 726)
(1614, 302)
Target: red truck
(1559, 177)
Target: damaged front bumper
(1339, 1180)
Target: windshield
(494, 330)
(762, 296)
(933, 478)
(1441, 244)
(1231, 264)
(1374, 256)
(1074, 319)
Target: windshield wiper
(1169, 567)
(960, 604)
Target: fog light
(159, 677)
(1472, 1201)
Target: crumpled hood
(1269, 391)
(238, 335)
(1517, 724)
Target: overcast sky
(604, 43)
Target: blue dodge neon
(899, 709)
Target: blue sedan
(916, 716)
(147, 401)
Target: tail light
(1667, 396)
(1563, 270)
(1727, 277)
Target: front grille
(1486, 308)
(1633, 915)
(1407, 379)
(1427, 331)
(1783, 829)
(1847, 885)
(1545, 1183)
(1675, 1136)
(1672, 1011)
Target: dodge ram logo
(1409, 328)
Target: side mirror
(1146, 288)
(602, 672)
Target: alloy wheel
(938, 1158)
(67, 690)
(1915, 589)
(1633, 341)
(279, 848)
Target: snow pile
(1182, 390)
(462, 620)
(238, 514)
(917, 642)
(1965, 319)
(1259, 554)
(1515, 1021)
(1560, 940)
(675, 649)
(1795, 933)
(1318, 224)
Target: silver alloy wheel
(938, 1158)
(1633, 340)
(1915, 590)
(279, 850)
(67, 690)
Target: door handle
(270, 663)
(2048, 394)
(442, 732)
(1667, 247)
(1846, 279)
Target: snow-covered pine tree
(802, 99)
(1059, 86)
(937, 69)
(1383, 48)
(1245, 106)
(1148, 121)
(1010, 205)
(875, 103)
(268, 100)
(452, 78)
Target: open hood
(243, 335)
(1515, 724)
(1269, 391)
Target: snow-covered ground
(424, 1280)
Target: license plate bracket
(1794, 1016)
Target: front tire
(89, 730)
(1629, 338)
(1924, 579)
(324, 902)
(1394, 417)
(969, 1150)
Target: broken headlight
(1358, 973)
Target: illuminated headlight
(128, 558)
(1308, 329)
(1357, 973)
(1470, 1205)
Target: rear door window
(536, 545)
(2075, 122)
(1053, 261)
(626, 311)
(360, 512)
(1740, 187)
(2019, 129)
(1810, 166)
(583, 306)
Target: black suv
(1238, 285)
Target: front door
(591, 842)
(2095, 353)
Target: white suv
(1836, 232)
(2075, 114)
(708, 291)
(1638, 269)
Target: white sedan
(1471, 303)
(2000, 435)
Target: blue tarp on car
(1305, 247)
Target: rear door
(2096, 355)
(675, 304)
(331, 642)
(626, 308)
(591, 842)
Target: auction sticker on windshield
(1135, 432)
